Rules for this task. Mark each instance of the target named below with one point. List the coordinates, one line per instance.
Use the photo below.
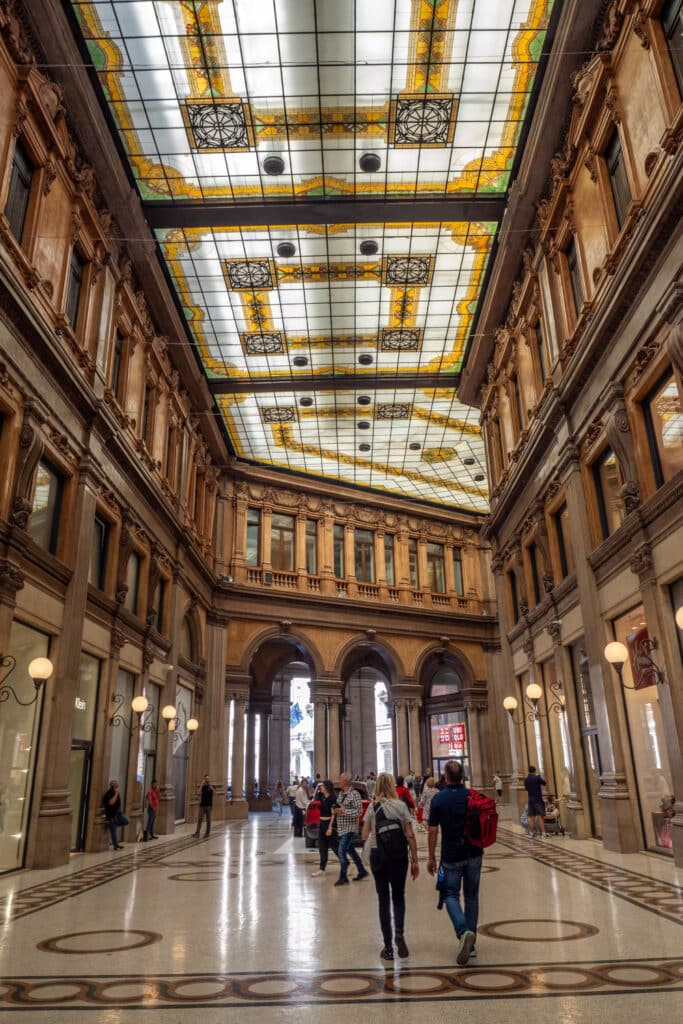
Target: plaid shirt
(347, 819)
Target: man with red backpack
(456, 811)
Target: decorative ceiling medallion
(420, 120)
(432, 455)
(218, 125)
(249, 275)
(278, 414)
(399, 271)
(401, 340)
(394, 411)
(261, 343)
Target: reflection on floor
(197, 927)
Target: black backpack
(392, 844)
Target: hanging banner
(643, 671)
(453, 736)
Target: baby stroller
(551, 818)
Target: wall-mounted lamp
(616, 654)
(141, 707)
(534, 692)
(40, 670)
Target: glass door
(590, 745)
(79, 785)
(181, 750)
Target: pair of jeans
(390, 883)
(204, 812)
(345, 850)
(466, 873)
(118, 821)
(298, 821)
(151, 818)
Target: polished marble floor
(235, 928)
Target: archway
(367, 725)
(447, 729)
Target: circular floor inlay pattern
(491, 981)
(54, 992)
(65, 943)
(346, 986)
(564, 978)
(201, 876)
(538, 929)
(421, 983)
(207, 988)
(273, 987)
(636, 974)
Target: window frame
(458, 574)
(256, 523)
(559, 539)
(338, 553)
(670, 16)
(365, 547)
(650, 432)
(612, 164)
(132, 602)
(573, 264)
(433, 561)
(75, 316)
(16, 172)
(539, 341)
(311, 545)
(596, 467)
(117, 357)
(534, 571)
(413, 564)
(53, 541)
(100, 583)
(389, 560)
(277, 545)
(513, 594)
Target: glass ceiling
(245, 102)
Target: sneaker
(342, 881)
(467, 940)
(195, 835)
(119, 847)
(316, 874)
(401, 947)
(359, 877)
(473, 952)
(386, 953)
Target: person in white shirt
(300, 805)
(498, 785)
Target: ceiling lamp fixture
(300, 361)
(414, 446)
(364, 400)
(468, 461)
(363, 424)
(364, 447)
(479, 477)
(365, 359)
(286, 249)
(274, 165)
(369, 248)
(369, 163)
(306, 402)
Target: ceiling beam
(205, 214)
(340, 382)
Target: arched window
(186, 645)
(446, 681)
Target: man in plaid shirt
(347, 817)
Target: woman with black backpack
(388, 832)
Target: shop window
(133, 581)
(98, 553)
(664, 424)
(608, 483)
(412, 564)
(540, 350)
(618, 178)
(253, 536)
(19, 192)
(672, 21)
(457, 572)
(339, 551)
(364, 555)
(74, 287)
(311, 547)
(47, 500)
(534, 571)
(282, 543)
(514, 599)
(116, 366)
(389, 572)
(435, 569)
(572, 258)
(561, 524)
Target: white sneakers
(317, 873)
(467, 940)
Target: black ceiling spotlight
(469, 461)
(300, 361)
(364, 447)
(365, 359)
(479, 477)
(414, 446)
(369, 163)
(369, 248)
(274, 165)
(306, 402)
(363, 424)
(364, 400)
(286, 249)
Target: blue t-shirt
(534, 787)
(448, 809)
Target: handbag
(441, 886)
(420, 813)
(121, 819)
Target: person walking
(300, 804)
(461, 863)
(429, 791)
(279, 796)
(291, 795)
(498, 786)
(388, 831)
(347, 816)
(326, 841)
(404, 793)
(533, 784)
(113, 813)
(152, 805)
(205, 805)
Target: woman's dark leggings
(325, 843)
(390, 883)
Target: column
(578, 798)
(326, 553)
(266, 538)
(165, 822)
(237, 807)
(416, 760)
(239, 534)
(449, 573)
(212, 735)
(402, 748)
(402, 568)
(264, 754)
(334, 759)
(502, 680)
(50, 839)
(476, 767)
(380, 566)
(350, 560)
(250, 766)
(422, 575)
(300, 551)
(319, 738)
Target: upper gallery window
(457, 572)
(282, 543)
(608, 483)
(73, 287)
(618, 179)
(672, 20)
(47, 500)
(412, 563)
(561, 522)
(364, 551)
(133, 581)
(540, 349)
(98, 552)
(19, 191)
(572, 257)
(253, 536)
(116, 363)
(311, 547)
(435, 568)
(664, 423)
(339, 551)
(389, 572)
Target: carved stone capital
(641, 562)
(12, 580)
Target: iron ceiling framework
(325, 180)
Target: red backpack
(481, 820)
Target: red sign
(453, 736)
(642, 669)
